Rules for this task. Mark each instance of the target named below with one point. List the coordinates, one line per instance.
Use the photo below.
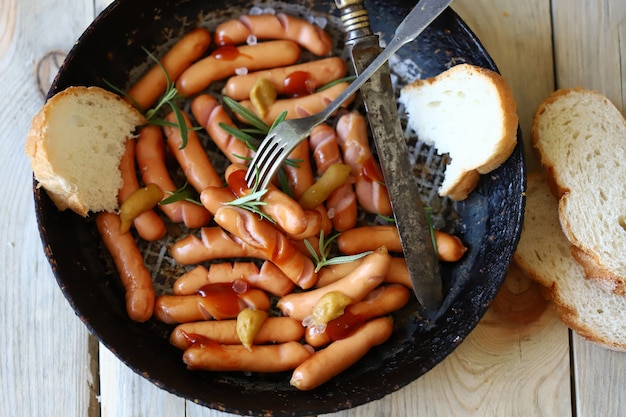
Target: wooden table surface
(519, 361)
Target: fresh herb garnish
(168, 98)
(184, 193)
(322, 259)
(349, 78)
(252, 202)
(260, 128)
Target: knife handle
(355, 19)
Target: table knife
(380, 104)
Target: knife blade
(382, 114)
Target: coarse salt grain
(251, 40)
(241, 71)
(321, 21)
(255, 10)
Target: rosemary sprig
(349, 78)
(260, 128)
(183, 193)
(252, 202)
(323, 259)
(168, 98)
(247, 114)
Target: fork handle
(413, 24)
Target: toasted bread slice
(543, 252)
(75, 144)
(469, 113)
(581, 139)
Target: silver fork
(286, 135)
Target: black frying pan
(488, 222)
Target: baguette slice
(469, 113)
(75, 144)
(581, 139)
(543, 252)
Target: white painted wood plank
(590, 52)
(45, 368)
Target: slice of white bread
(581, 140)
(543, 252)
(75, 144)
(469, 113)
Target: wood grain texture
(590, 46)
(590, 52)
(515, 363)
(46, 356)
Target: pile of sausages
(238, 260)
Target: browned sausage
(383, 300)
(262, 358)
(225, 61)
(153, 84)
(210, 114)
(221, 303)
(273, 330)
(279, 26)
(292, 80)
(268, 241)
(300, 106)
(370, 189)
(129, 263)
(341, 354)
(148, 224)
(356, 285)
(151, 162)
(192, 158)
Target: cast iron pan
(488, 222)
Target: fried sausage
(268, 278)
(370, 189)
(289, 80)
(224, 62)
(151, 162)
(300, 106)
(341, 354)
(214, 243)
(129, 263)
(279, 26)
(226, 304)
(210, 114)
(361, 239)
(148, 224)
(270, 242)
(273, 330)
(192, 158)
(385, 299)
(153, 84)
(356, 285)
(342, 203)
(261, 358)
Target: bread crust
(543, 254)
(62, 191)
(459, 185)
(585, 253)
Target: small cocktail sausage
(134, 275)
(225, 62)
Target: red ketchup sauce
(224, 297)
(194, 339)
(343, 326)
(299, 83)
(371, 171)
(237, 183)
(228, 53)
